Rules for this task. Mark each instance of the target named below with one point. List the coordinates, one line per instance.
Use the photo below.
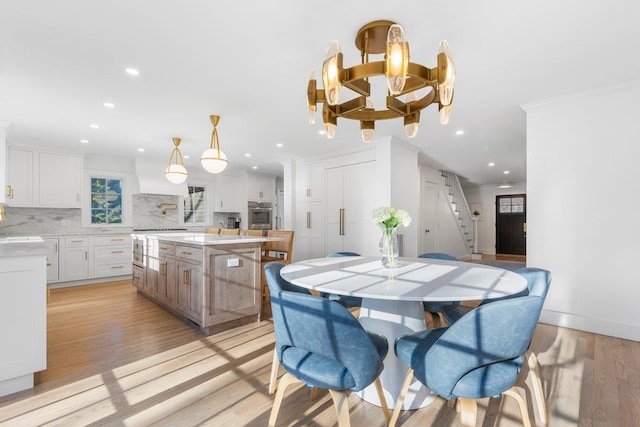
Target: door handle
(427, 230)
(342, 222)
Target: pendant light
(213, 159)
(176, 173)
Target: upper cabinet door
(227, 194)
(260, 188)
(310, 182)
(59, 180)
(19, 188)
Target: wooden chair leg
(513, 392)
(273, 379)
(536, 384)
(342, 407)
(314, 393)
(468, 411)
(401, 396)
(286, 380)
(383, 400)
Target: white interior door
(429, 218)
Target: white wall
(582, 171)
(399, 184)
(483, 199)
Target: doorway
(511, 224)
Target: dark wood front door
(511, 217)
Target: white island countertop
(204, 239)
(21, 246)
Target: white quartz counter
(21, 246)
(204, 239)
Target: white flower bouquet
(389, 219)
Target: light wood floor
(117, 359)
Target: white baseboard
(589, 324)
(57, 285)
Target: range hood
(151, 180)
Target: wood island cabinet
(216, 286)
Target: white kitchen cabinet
(111, 255)
(309, 240)
(76, 254)
(19, 188)
(310, 182)
(260, 188)
(53, 257)
(59, 180)
(228, 194)
(42, 179)
(23, 315)
(350, 199)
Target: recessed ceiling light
(254, 167)
(141, 150)
(84, 141)
(279, 145)
(247, 154)
(460, 132)
(491, 164)
(94, 126)
(186, 157)
(132, 71)
(109, 105)
(506, 172)
(322, 132)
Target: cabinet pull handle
(186, 277)
(76, 241)
(55, 248)
(308, 219)
(164, 248)
(77, 197)
(117, 266)
(86, 255)
(342, 222)
(49, 264)
(117, 240)
(117, 252)
(9, 192)
(260, 194)
(308, 192)
(163, 268)
(221, 203)
(186, 253)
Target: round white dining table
(392, 301)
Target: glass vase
(389, 249)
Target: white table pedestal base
(392, 319)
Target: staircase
(460, 207)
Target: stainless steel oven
(260, 216)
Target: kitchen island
(210, 280)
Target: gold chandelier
(403, 78)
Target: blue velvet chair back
(438, 255)
(275, 280)
(538, 280)
(496, 332)
(339, 254)
(321, 343)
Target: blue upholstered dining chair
(344, 300)
(272, 274)
(431, 307)
(320, 343)
(538, 282)
(478, 356)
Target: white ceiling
(249, 62)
